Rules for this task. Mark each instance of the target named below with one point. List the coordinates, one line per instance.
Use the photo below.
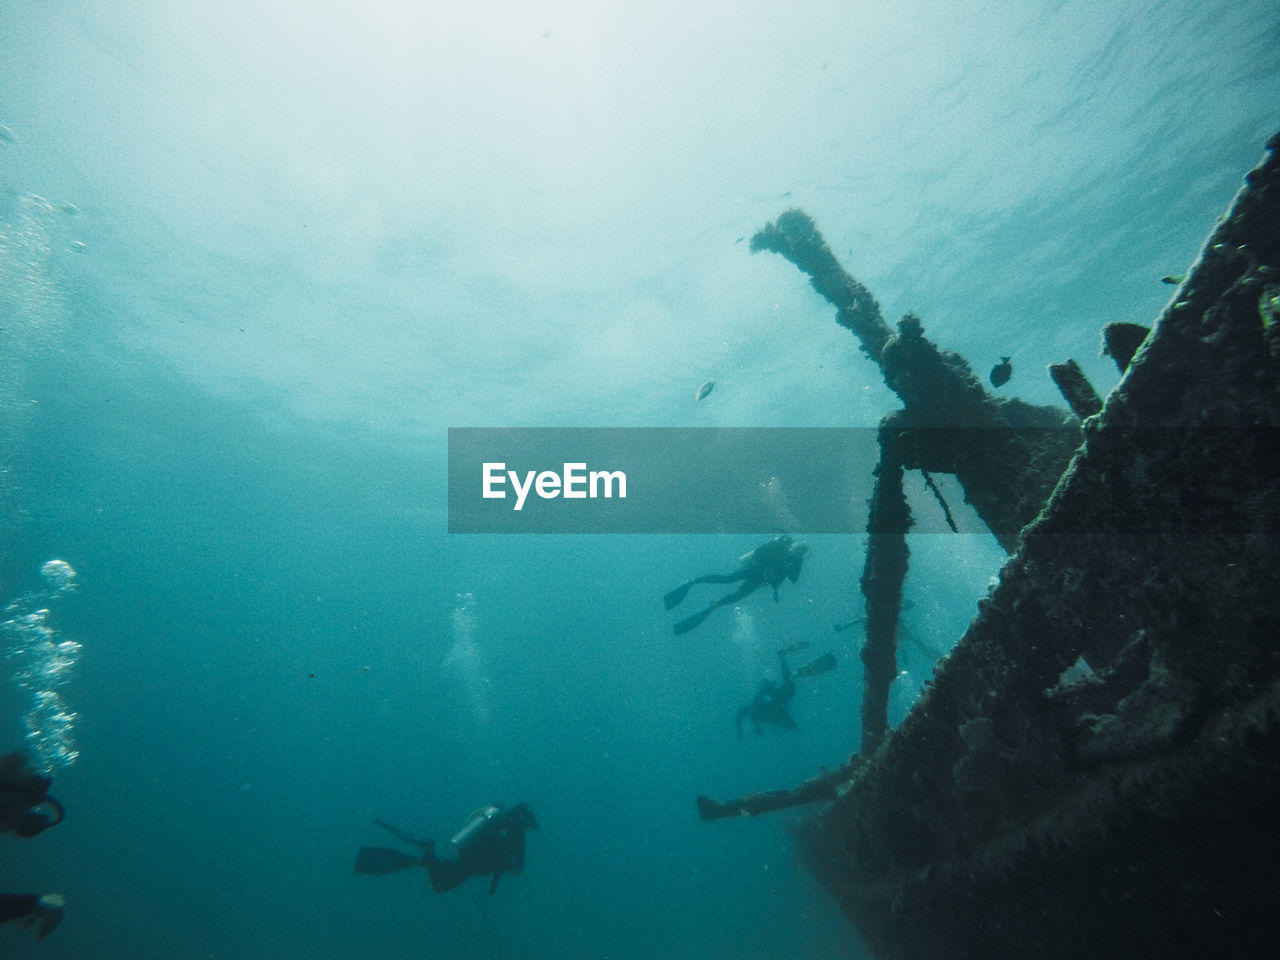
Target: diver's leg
(445, 874)
(741, 593)
(403, 834)
(684, 626)
(676, 597)
(739, 574)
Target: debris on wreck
(1006, 454)
(1080, 395)
(1121, 340)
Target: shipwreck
(1094, 770)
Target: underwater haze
(257, 258)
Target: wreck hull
(1132, 813)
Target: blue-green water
(304, 240)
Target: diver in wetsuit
(43, 911)
(772, 562)
(773, 698)
(491, 842)
(770, 703)
(26, 809)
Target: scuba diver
(771, 562)
(26, 809)
(490, 842)
(770, 703)
(44, 912)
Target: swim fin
(684, 626)
(824, 664)
(798, 645)
(676, 596)
(383, 860)
(709, 809)
(402, 834)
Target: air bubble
(59, 575)
(42, 662)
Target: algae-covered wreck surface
(1025, 808)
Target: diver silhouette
(26, 810)
(770, 704)
(771, 562)
(491, 842)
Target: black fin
(383, 860)
(403, 834)
(823, 664)
(793, 648)
(676, 596)
(684, 626)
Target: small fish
(1174, 278)
(704, 390)
(1001, 372)
(6, 136)
(842, 627)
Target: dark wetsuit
(14, 906)
(779, 559)
(496, 847)
(770, 704)
(26, 809)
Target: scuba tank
(476, 823)
(770, 552)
